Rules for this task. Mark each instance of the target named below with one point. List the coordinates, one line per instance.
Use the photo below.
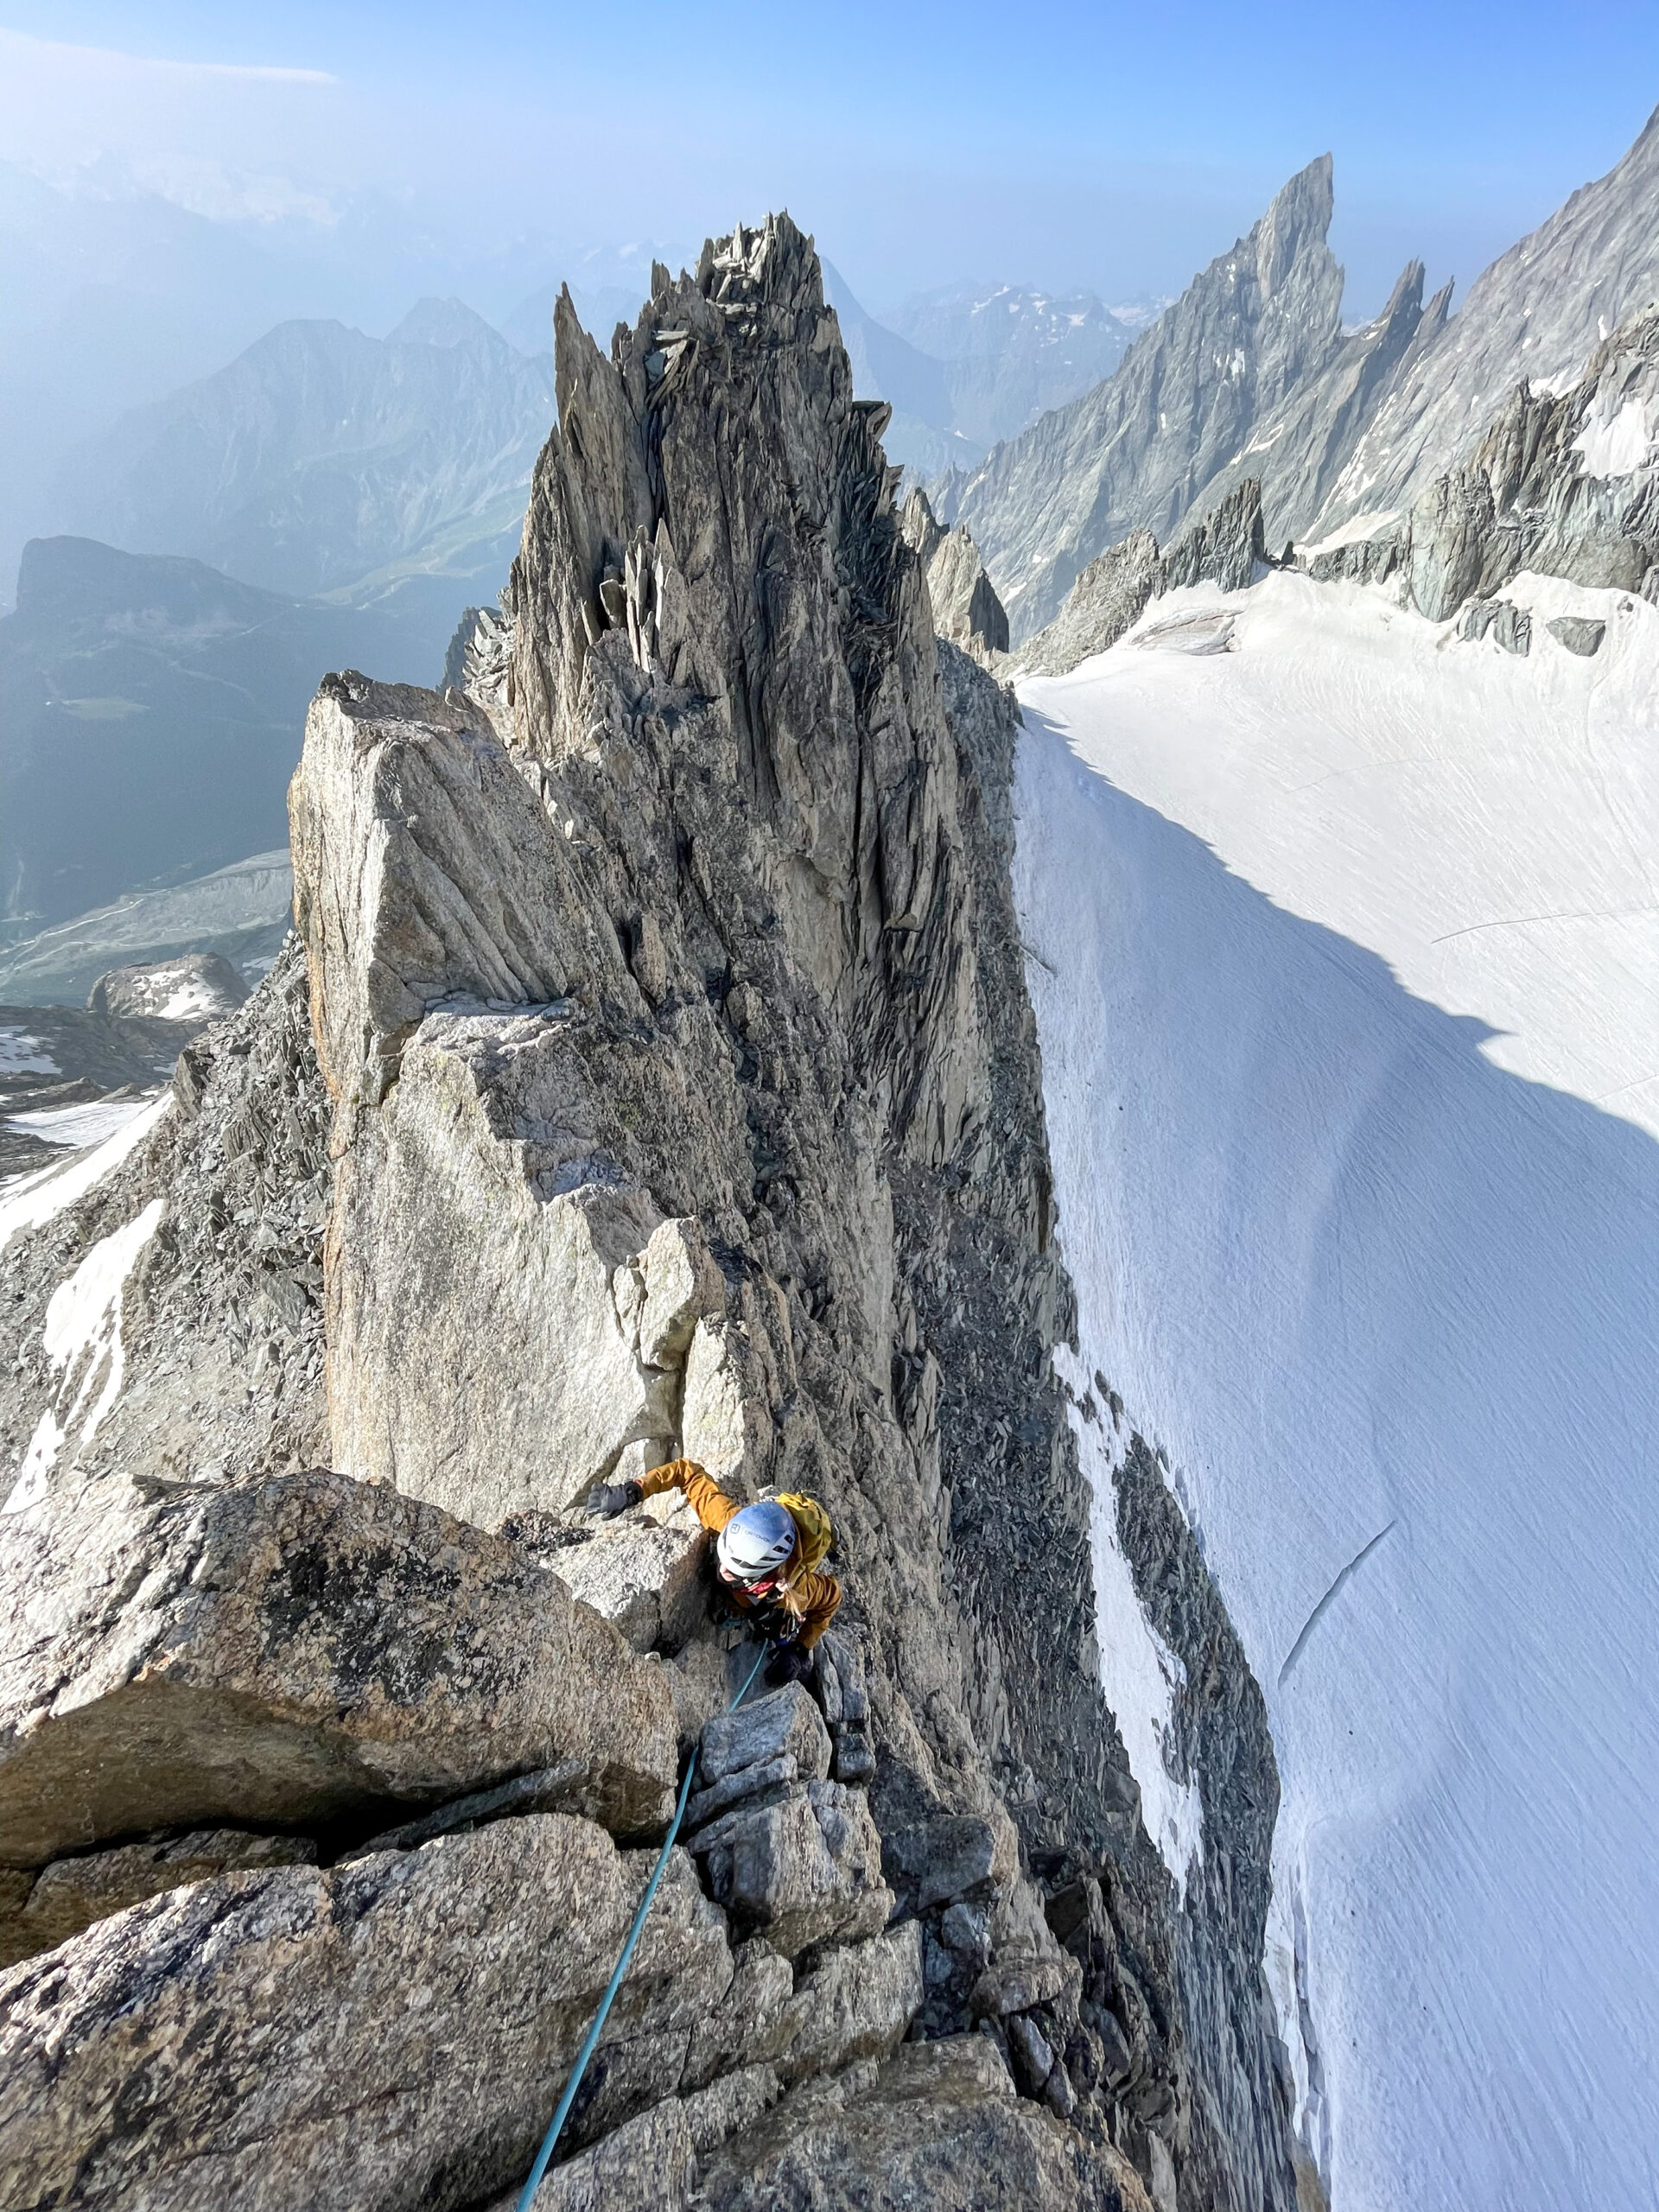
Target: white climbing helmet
(756, 1542)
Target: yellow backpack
(817, 1534)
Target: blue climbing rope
(587, 2051)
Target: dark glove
(609, 1499)
(789, 1664)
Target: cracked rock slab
(787, 1724)
(801, 1869)
(301, 1650)
(392, 2033)
(939, 2126)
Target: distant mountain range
(971, 363)
(151, 711)
(324, 461)
(329, 499)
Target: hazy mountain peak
(442, 322)
(1297, 218)
(321, 457)
(1137, 452)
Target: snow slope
(1346, 970)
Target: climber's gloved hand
(788, 1664)
(609, 1499)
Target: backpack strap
(817, 1532)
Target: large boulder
(392, 2034)
(856, 2003)
(300, 1650)
(423, 867)
(787, 1724)
(196, 988)
(640, 1573)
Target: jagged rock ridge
(1533, 315)
(682, 1095)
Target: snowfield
(1345, 960)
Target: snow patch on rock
(23, 1054)
(75, 1127)
(82, 1341)
(37, 1198)
(1139, 1673)
(1615, 445)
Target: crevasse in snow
(1349, 965)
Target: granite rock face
(939, 2124)
(1106, 600)
(1226, 547)
(656, 1054)
(313, 2079)
(800, 1869)
(1533, 317)
(966, 608)
(1563, 483)
(303, 1650)
(1251, 374)
(192, 1348)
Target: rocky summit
(652, 1074)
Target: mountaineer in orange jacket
(766, 1555)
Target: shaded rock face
(1562, 484)
(71, 1894)
(1300, 449)
(657, 1048)
(1226, 547)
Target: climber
(766, 1555)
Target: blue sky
(1118, 147)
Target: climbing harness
(587, 2051)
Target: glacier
(1344, 944)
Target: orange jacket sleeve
(709, 1502)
